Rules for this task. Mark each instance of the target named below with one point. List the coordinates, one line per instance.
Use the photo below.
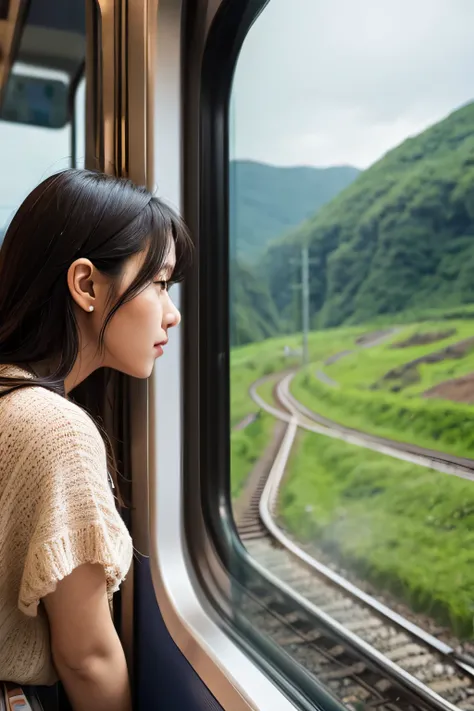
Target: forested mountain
(267, 201)
(253, 314)
(400, 237)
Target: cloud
(344, 81)
(318, 82)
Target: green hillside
(399, 238)
(253, 316)
(267, 201)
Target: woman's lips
(159, 347)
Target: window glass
(80, 124)
(29, 154)
(351, 230)
(35, 126)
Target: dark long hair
(73, 214)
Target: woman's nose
(173, 316)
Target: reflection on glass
(352, 317)
(80, 124)
(35, 101)
(29, 152)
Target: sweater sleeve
(75, 520)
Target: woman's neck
(84, 366)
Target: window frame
(196, 621)
(216, 551)
(73, 89)
(218, 556)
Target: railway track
(307, 419)
(362, 651)
(447, 463)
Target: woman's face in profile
(138, 331)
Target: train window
(29, 152)
(36, 132)
(351, 312)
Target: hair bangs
(157, 227)
(160, 227)
(167, 222)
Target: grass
(248, 364)
(440, 426)
(406, 528)
(265, 390)
(247, 446)
(366, 366)
(251, 362)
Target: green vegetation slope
(399, 238)
(407, 529)
(253, 315)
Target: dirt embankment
(424, 339)
(458, 390)
(407, 374)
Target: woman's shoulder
(36, 416)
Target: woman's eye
(163, 284)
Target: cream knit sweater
(57, 512)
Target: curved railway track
(434, 459)
(290, 407)
(361, 650)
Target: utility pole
(304, 262)
(305, 301)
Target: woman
(84, 274)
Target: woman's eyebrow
(167, 269)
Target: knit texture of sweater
(57, 512)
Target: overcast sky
(327, 82)
(318, 82)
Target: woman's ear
(80, 280)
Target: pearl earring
(91, 308)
